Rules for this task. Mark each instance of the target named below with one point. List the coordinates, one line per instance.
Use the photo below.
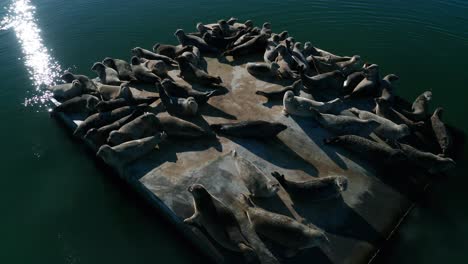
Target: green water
(59, 206)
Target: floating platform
(357, 224)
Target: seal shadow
(210, 110)
(306, 125)
(277, 153)
(271, 103)
(240, 60)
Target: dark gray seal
(263, 70)
(144, 53)
(426, 160)
(219, 221)
(352, 80)
(85, 103)
(384, 109)
(419, 109)
(278, 94)
(142, 73)
(177, 105)
(88, 85)
(180, 90)
(321, 188)
(170, 51)
(250, 129)
(122, 67)
(387, 91)
(369, 85)
(105, 106)
(254, 45)
(191, 74)
(66, 91)
(323, 82)
(198, 42)
(441, 132)
(142, 126)
(107, 75)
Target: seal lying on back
(85, 103)
(279, 94)
(122, 67)
(387, 129)
(178, 106)
(384, 109)
(88, 85)
(170, 51)
(180, 90)
(317, 188)
(368, 149)
(190, 73)
(258, 183)
(419, 108)
(107, 75)
(102, 119)
(249, 129)
(441, 132)
(433, 163)
(219, 221)
(142, 73)
(144, 53)
(345, 125)
(130, 151)
(198, 42)
(66, 91)
(99, 135)
(296, 105)
(142, 126)
(284, 230)
(176, 127)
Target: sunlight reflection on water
(43, 69)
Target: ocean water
(59, 206)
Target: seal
(125, 153)
(270, 51)
(99, 135)
(321, 188)
(266, 28)
(352, 80)
(155, 66)
(105, 106)
(426, 160)
(323, 82)
(109, 92)
(349, 66)
(258, 183)
(345, 125)
(242, 39)
(102, 119)
(144, 53)
(256, 44)
(286, 62)
(296, 105)
(178, 106)
(386, 87)
(284, 230)
(387, 129)
(170, 51)
(85, 103)
(66, 91)
(369, 85)
(198, 42)
(191, 74)
(299, 57)
(419, 109)
(219, 221)
(142, 73)
(179, 90)
(368, 149)
(142, 126)
(263, 70)
(250, 129)
(88, 85)
(122, 67)
(179, 128)
(283, 35)
(384, 109)
(279, 94)
(441, 132)
(107, 75)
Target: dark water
(58, 206)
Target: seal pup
(180, 90)
(433, 163)
(323, 82)
(263, 70)
(322, 188)
(85, 103)
(296, 105)
(219, 221)
(284, 230)
(386, 87)
(109, 92)
(279, 94)
(178, 106)
(170, 51)
(345, 125)
(125, 153)
(441, 132)
(107, 75)
(419, 108)
(198, 42)
(88, 85)
(258, 183)
(102, 119)
(66, 91)
(387, 129)
(142, 126)
(142, 73)
(99, 135)
(190, 73)
(122, 67)
(144, 53)
(367, 149)
(253, 45)
(384, 109)
(369, 84)
(258, 129)
(179, 128)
